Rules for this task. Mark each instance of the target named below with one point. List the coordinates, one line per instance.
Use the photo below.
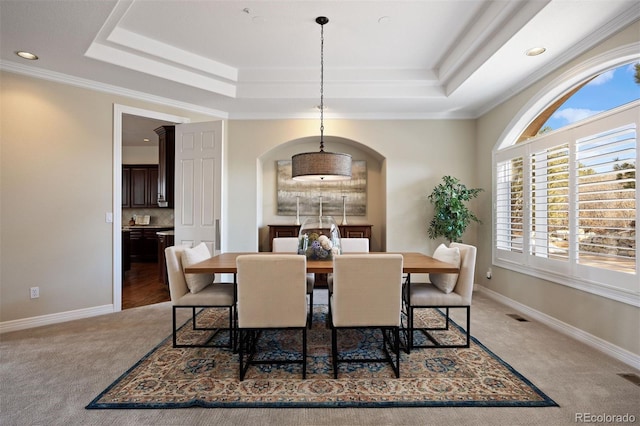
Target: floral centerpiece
(319, 238)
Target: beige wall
(56, 186)
(416, 154)
(376, 196)
(609, 320)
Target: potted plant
(451, 216)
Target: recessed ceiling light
(145, 140)
(535, 51)
(27, 55)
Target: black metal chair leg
(310, 310)
(468, 326)
(410, 326)
(334, 351)
(395, 345)
(428, 335)
(304, 353)
(175, 332)
(241, 355)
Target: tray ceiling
(261, 59)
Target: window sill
(599, 289)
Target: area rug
(170, 377)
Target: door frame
(118, 110)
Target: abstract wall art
(306, 195)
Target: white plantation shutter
(606, 207)
(510, 205)
(566, 205)
(549, 222)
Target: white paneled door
(198, 184)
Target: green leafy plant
(451, 216)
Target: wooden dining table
(413, 262)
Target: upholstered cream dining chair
(367, 293)
(197, 292)
(354, 245)
(271, 295)
(443, 291)
(350, 245)
(290, 245)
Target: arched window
(608, 90)
(565, 191)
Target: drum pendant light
(318, 166)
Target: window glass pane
(510, 202)
(607, 91)
(606, 207)
(550, 203)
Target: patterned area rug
(208, 377)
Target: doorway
(141, 284)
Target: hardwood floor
(141, 286)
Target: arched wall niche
(376, 178)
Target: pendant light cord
(318, 166)
(321, 87)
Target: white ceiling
(261, 59)
(140, 131)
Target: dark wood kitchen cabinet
(143, 244)
(166, 165)
(140, 186)
(152, 187)
(136, 245)
(165, 239)
(126, 185)
(126, 255)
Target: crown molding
(354, 116)
(119, 91)
(107, 88)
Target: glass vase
(319, 238)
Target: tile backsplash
(162, 217)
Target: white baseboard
(25, 323)
(608, 348)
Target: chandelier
(314, 166)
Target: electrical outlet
(489, 273)
(34, 292)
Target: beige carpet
(49, 374)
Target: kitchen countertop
(129, 227)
